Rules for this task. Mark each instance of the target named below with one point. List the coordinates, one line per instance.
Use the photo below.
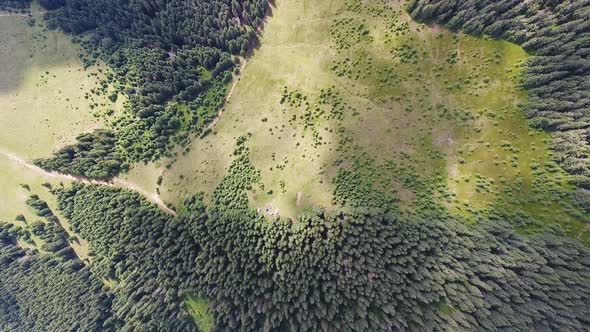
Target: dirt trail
(111, 182)
(235, 82)
(22, 14)
(229, 94)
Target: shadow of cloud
(25, 42)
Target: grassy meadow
(45, 99)
(351, 101)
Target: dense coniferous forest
(146, 257)
(27, 273)
(354, 271)
(223, 24)
(50, 291)
(150, 256)
(556, 77)
(377, 270)
(94, 156)
(21, 5)
(374, 272)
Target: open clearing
(43, 89)
(198, 308)
(351, 96)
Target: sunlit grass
(444, 103)
(199, 309)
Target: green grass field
(198, 308)
(43, 89)
(376, 103)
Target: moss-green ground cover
(199, 309)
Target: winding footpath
(111, 182)
(229, 94)
(5, 14)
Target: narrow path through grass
(111, 182)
